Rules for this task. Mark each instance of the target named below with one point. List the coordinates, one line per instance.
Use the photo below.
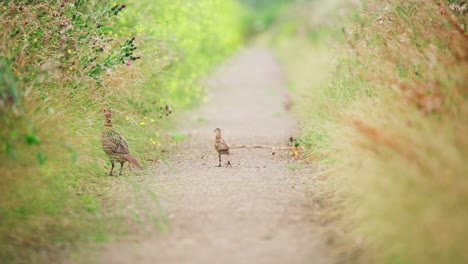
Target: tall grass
(402, 141)
(61, 62)
(392, 124)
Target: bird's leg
(228, 164)
(112, 168)
(121, 166)
(219, 156)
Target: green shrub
(261, 14)
(61, 62)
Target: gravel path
(255, 212)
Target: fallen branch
(261, 146)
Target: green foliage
(263, 13)
(61, 62)
(8, 91)
(304, 37)
(200, 36)
(122, 55)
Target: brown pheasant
(114, 145)
(222, 147)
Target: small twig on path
(260, 146)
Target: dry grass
(393, 124)
(402, 145)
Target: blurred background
(380, 88)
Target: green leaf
(41, 157)
(298, 142)
(32, 139)
(10, 149)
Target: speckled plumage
(222, 147)
(114, 144)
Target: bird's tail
(132, 160)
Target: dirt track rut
(255, 212)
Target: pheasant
(115, 145)
(222, 147)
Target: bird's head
(107, 113)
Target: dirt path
(255, 212)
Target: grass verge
(388, 121)
(61, 62)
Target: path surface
(255, 212)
